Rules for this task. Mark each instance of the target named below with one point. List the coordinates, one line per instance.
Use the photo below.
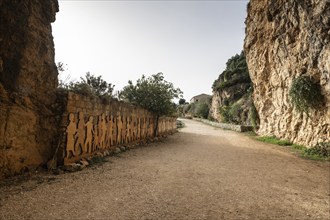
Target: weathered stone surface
(233, 94)
(28, 79)
(215, 105)
(285, 39)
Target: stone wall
(225, 126)
(28, 80)
(90, 126)
(286, 39)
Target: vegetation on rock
(234, 89)
(305, 94)
(236, 72)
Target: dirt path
(200, 173)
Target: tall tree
(153, 93)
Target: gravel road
(199, 173)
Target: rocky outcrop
(284, 40)
(231, 100)
(28, 79)
(216, 103)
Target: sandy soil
(199, 173)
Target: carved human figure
(136, 116)
(119, 128)
(102, 130)
(80, 139)
(139, 129)
(151, 128)
(133, 127)
(144, 129)
(147, 127)
(109, 131)
(129, 132)
(96, 144)
(89, 135)
(71, 131)
(124, 129)
(114, 130)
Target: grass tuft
(320, 151)
(274, 140)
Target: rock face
(286, 39)
(28, 79)
(232, 95)
(231, 100)
(216, 103)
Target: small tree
(153, 93)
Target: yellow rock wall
(285, 39)
(28, 80)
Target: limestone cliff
(286, 39)
(28, 79)
(231, 100)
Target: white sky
(189, 41)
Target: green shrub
(305, 94)
(235, 113)
(236, 72)
(245, 78)
(319, 152)
(232, 113)
(321, 149)
(202, 110)
(225, 114)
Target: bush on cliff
(236, 72)
(305, 94)
(234, 87)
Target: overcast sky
(189, 41)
